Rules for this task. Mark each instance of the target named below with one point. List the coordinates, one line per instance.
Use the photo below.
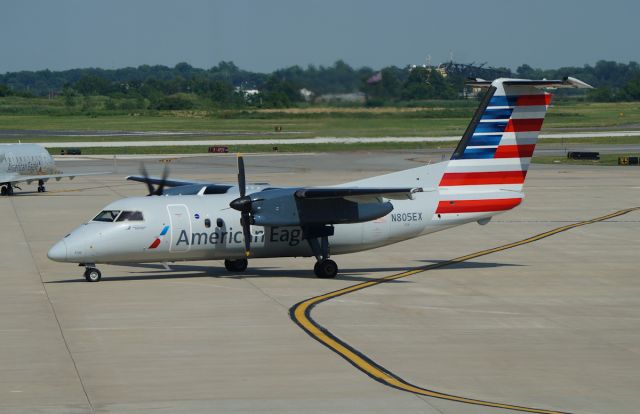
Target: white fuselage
(24, 159)
(203, 227)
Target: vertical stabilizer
(488, 167)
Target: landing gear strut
(41, 188)
(236, 266)
(318, 238)
(92, 274)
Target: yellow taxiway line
(301, 314)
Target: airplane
(208, 221)
(28, 163)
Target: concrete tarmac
(553, 324)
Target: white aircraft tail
(486, 173)
(488, 167)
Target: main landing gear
(318, 238)
(325, 269)
(236, 266)
(91, 273)
(41, 188)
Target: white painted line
(317, 140)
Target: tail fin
(496, 148)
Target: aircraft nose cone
(58, 251)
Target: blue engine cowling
(281, 207)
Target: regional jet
(28, 163)
(196, 221)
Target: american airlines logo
(158, 239)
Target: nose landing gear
(7, 190)
(92, 274)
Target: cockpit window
(130, 216)
(107, 216)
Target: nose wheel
(92, 274)
(7, 190)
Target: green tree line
(227, 86)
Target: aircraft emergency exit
(201, 221)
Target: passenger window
(207, 223)
(107, 216)
(130, 216)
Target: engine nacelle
(280, 207)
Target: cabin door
(180, 227)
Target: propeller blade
(246, 231)
(143, 172)
(242, 184)
(165, 175)
(243, 205)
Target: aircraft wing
(167, 182)
(46, 177)
(319, 206)
(358, 194)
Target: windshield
(107, 216)
(130, 216)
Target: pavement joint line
(300, 313)
(425, 400)
(53, 310)
(276, 301)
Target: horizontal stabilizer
(567, 82)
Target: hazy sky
(263, 35)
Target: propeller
(243, 205)
(147, 181)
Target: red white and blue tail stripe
(488, 168)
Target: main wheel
(3, 191)
(237, 265)
(92, 274)
(326, 269)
